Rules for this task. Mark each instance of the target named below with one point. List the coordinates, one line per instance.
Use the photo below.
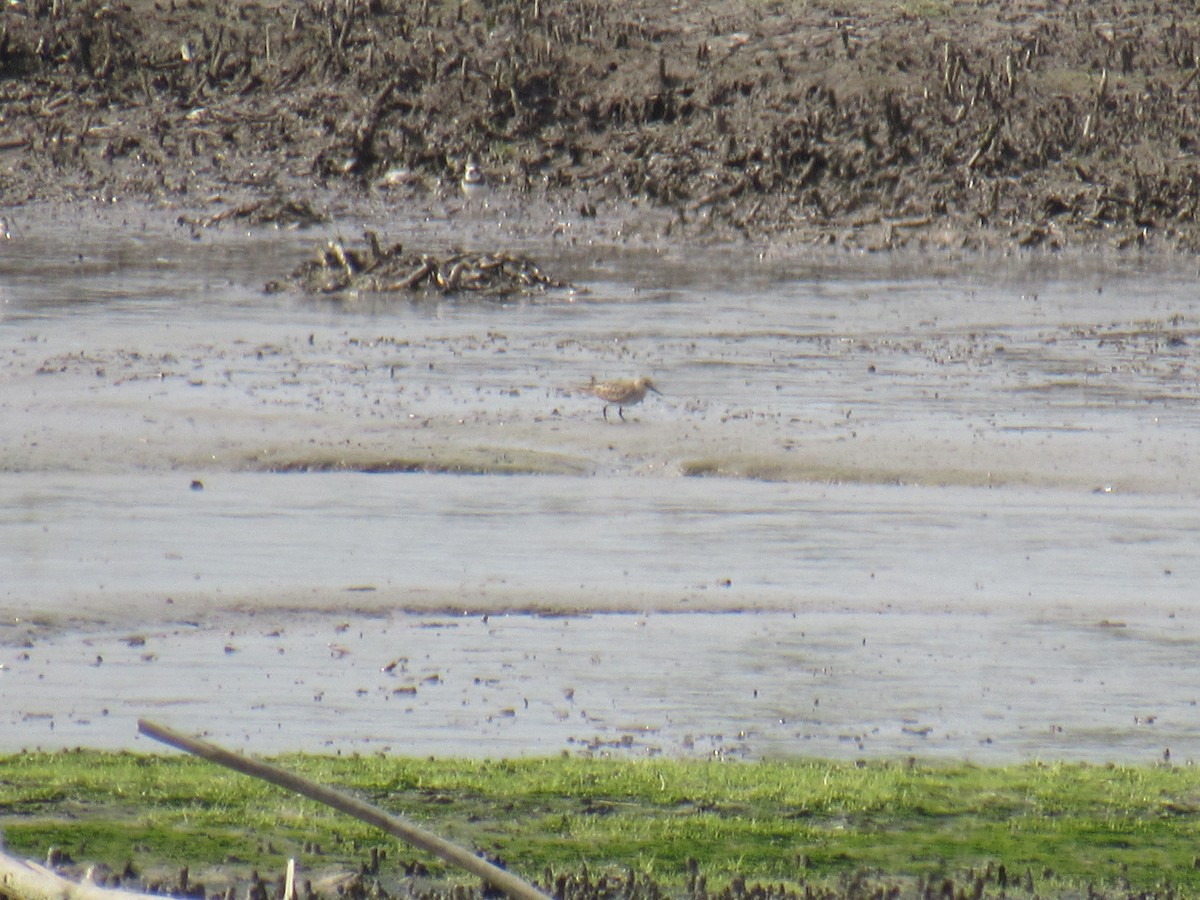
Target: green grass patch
(791, 821)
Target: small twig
(427, 268)
(912, 222)
(289, 880)
(985, 144)
(1187, 82)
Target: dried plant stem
(351, 806)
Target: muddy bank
(876, 126)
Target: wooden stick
(30, 881)
(351, 806)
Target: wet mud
(890, 681)
(862, 125)
(972, 468)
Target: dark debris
(374, 269)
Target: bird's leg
(605, 412)
(621, 412)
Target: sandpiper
(620, 392)
(474, 182)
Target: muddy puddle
(884, 505)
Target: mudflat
(879, 509)
(976, 440)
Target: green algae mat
(1050, 829)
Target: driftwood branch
(29, 881)
(351, 806)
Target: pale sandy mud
(942, 496)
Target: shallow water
(654, 543)
(949, 509)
